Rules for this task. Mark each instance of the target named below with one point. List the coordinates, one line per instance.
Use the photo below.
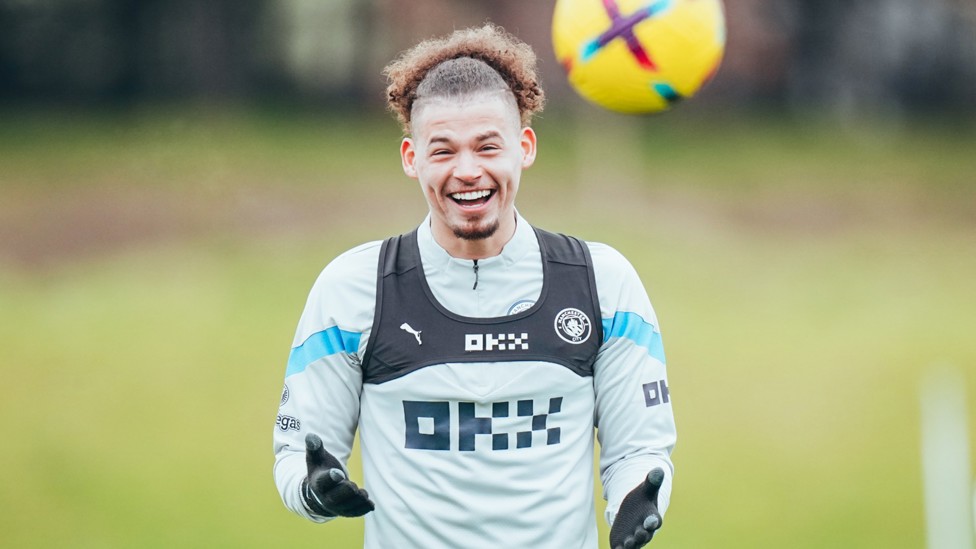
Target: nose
(467, 169)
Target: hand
(326, 490)
(638, 517)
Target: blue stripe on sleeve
(327, 342)
(631, 326)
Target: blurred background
(174, 175)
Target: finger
(343, 492)
(350, 501)
(652, 523)
(641, 537)
(315, 454)
(652, 484)
(324, 481)
(629, 543)
(361, 506)
(312, 442)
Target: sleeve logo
(656, 392)
(573, 326)
(288, 423)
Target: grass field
(153, 265)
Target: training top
(460, 450)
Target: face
(468, 156)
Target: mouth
(472, 199)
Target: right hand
(326, 490)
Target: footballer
(476, 354)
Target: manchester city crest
(573, 326)
(519, 306)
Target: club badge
(519, 306)
(573, 326)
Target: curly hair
(512, 60)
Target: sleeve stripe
(631, 326)
(327, 342)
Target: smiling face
(468, 154)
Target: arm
(634, 419)
(323, 380)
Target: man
(476, 354)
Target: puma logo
(416, 333)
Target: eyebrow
(439, 139)
(490, 134)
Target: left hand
(638, 517)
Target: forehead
(468, 114)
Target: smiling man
(476, 354)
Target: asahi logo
(573, 326)
(499, 342)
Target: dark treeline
(888, 55)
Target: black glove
(638, 517)
(326, 490)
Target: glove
(326, 490)
(638, 517)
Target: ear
(408, 157)
(528, 142)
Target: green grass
(805, 281)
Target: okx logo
(491, 342)
(509, 425)
(656, 392)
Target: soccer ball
(638, 56)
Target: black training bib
(411, 330)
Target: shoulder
(356, 258)
(605, 258)
(618, 284)
(344, 293)
(608, 263)
(352, 266)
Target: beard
(477, 231)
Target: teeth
(470, 195)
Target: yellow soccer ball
(638, 56)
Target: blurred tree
(888, 55)
(91, 50)
(184, 48)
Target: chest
(412, 329)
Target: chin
(476, 232)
